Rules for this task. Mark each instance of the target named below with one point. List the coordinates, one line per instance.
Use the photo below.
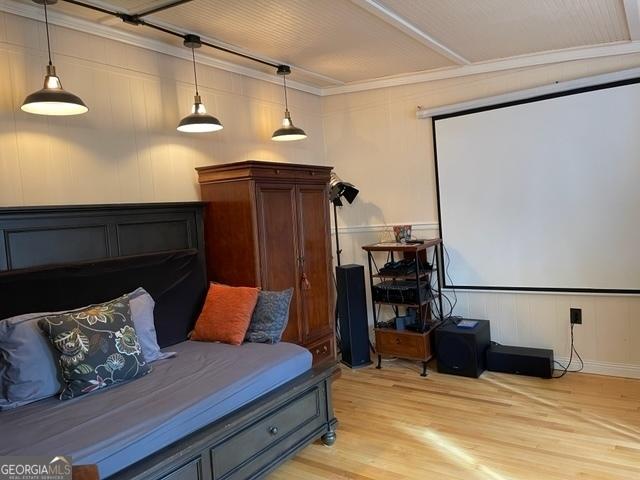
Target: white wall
(126, 148)
(374, 140)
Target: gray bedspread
(119, 426)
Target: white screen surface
(544, 195)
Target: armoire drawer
(237, 457)
(322, 351)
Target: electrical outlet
(575, 315)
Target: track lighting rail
(136, 19)
(54, 100)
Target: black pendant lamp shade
(288, 132)
(52, 99)
(198, 121)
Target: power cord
(453, 319)
(565, 369)
(337, 315)
(451, 303)
(447, 263)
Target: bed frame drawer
(189, 471)
(236, 457)
(244, 444)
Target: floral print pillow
(98, 347)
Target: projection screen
(543, 194)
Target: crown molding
(523, 61)
(529, 93)
(93, 28)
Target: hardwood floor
(396, 425)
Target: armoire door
(313, 217)
(277, 234)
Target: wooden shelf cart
(414, 344)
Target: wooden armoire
(267, 225)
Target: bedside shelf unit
(412, 344)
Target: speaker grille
(454, 353)
(352, 309)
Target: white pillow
(142, 306)
(29, 367)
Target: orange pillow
(226, 314)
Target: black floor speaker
(461, 351)
(352, 312)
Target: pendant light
(52, 99)
(198, 121)
(288, 132)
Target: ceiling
(339, 44)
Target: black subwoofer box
(535, 362)
(462, 351)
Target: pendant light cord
(195, 75)
(46, 22)
(286, 103)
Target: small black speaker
(536, 362)
(461, 351)
(352, 311)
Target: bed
(214, 411)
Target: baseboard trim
(605, 368)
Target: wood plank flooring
(397, 425)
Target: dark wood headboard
(57, 258)
(37, 236)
